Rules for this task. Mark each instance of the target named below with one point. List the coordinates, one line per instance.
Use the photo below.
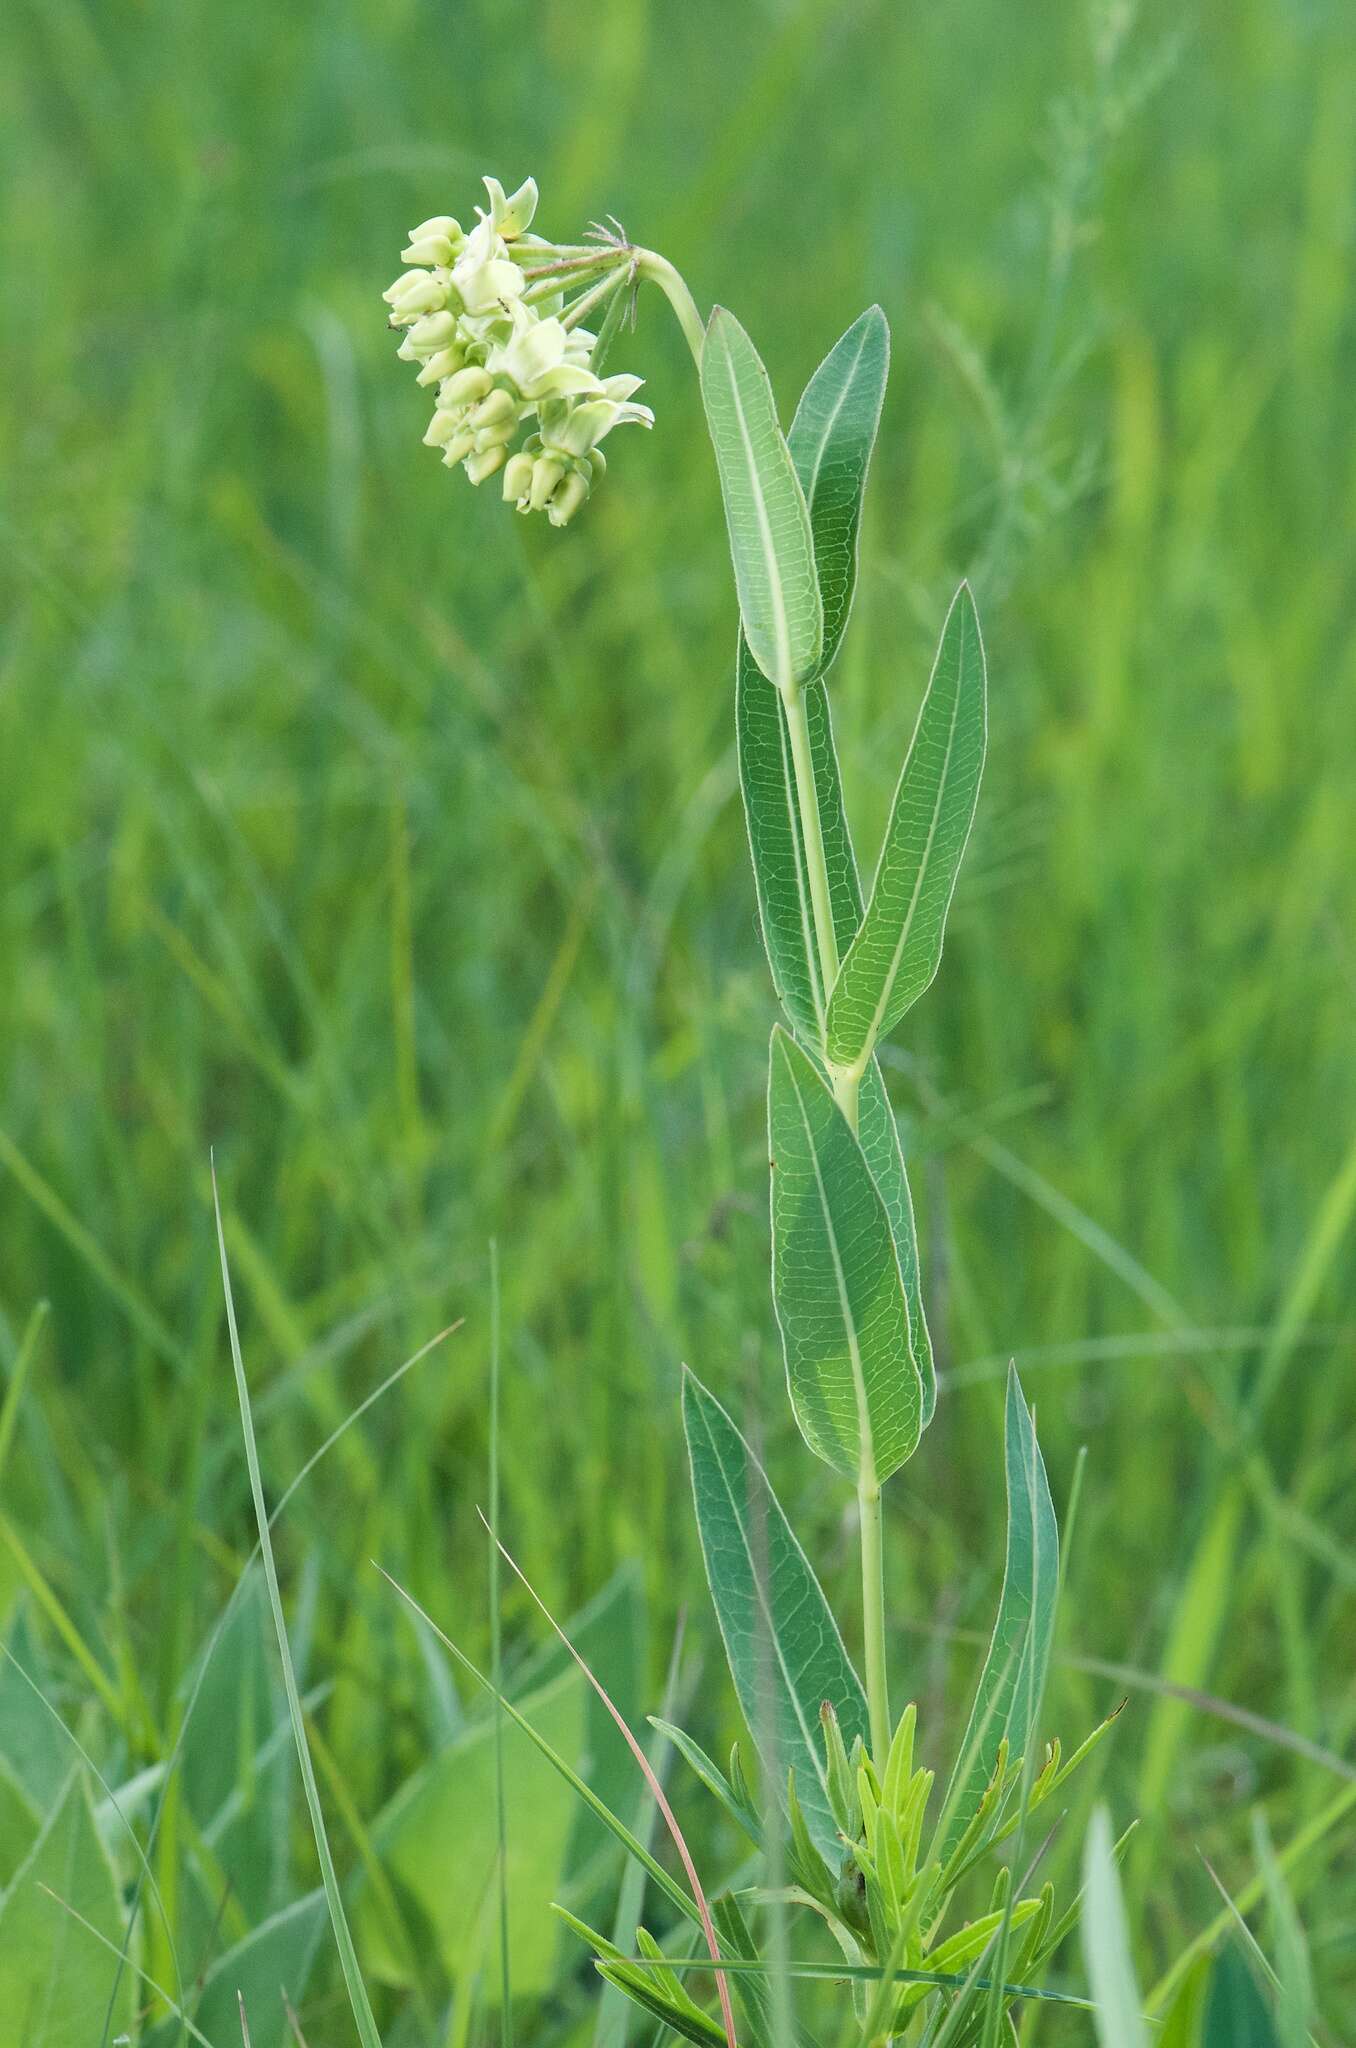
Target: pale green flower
(511, 217)
(498, 358)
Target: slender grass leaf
(20, 1824)
(1294, 1977)
(1236, 2015)
(58, 1984)
(1183, 2023)
(1106, 1943)
(1010, 1684)
(836, 1281)
(785, 1653)
(896, 952)
(769, 523)
(343, 1938)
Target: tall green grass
(324, 844)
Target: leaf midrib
(765, 1609)
(780, 622)
(873, 1032)
(866, 1448)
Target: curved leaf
(831, 439)
(773, 820)
(785, 1653)
(836, 1281)
(878, 1134)
(830, 442)
(765, 509)
(1008, 1696)
(899, 945)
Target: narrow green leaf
(896, 952)
(1236, 2015)
(830, 442)
(770, 810)
(1106, 1944)
(343, 1938)
(1183, 2022)
(831, 439)
(785, 1653)
(1010, 1684)
(769, 523)
(836, 1280)
(878, 1133)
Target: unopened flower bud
(434, 331)
(438, 224)
(443, 426)
(547, 471)
(417, 292)
(484, 463)
(434, 249)
(518, 481)
(465, 386)
(495, 410)
(458, 448)
(567, 498)
(446, 363)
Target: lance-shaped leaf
(836, 1281)
(831, 439)
(897, 949)
(765, 510)
(775, 846)
(879, 1135)
(785, 1652)
(1007, 1699)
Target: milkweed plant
(926, 1890)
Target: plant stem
(846, 1090)
(661, 272)
(846, 1083)
(873, 1618)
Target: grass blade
(348, 1960)
(1106, 1943)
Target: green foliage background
(392, 846)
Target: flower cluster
(501, 348)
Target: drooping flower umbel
(487, 319)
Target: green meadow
(387, 851)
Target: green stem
(846, 1082)
(846, 1086)
(661, 272)
(873, 1618)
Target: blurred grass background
(392, 846)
